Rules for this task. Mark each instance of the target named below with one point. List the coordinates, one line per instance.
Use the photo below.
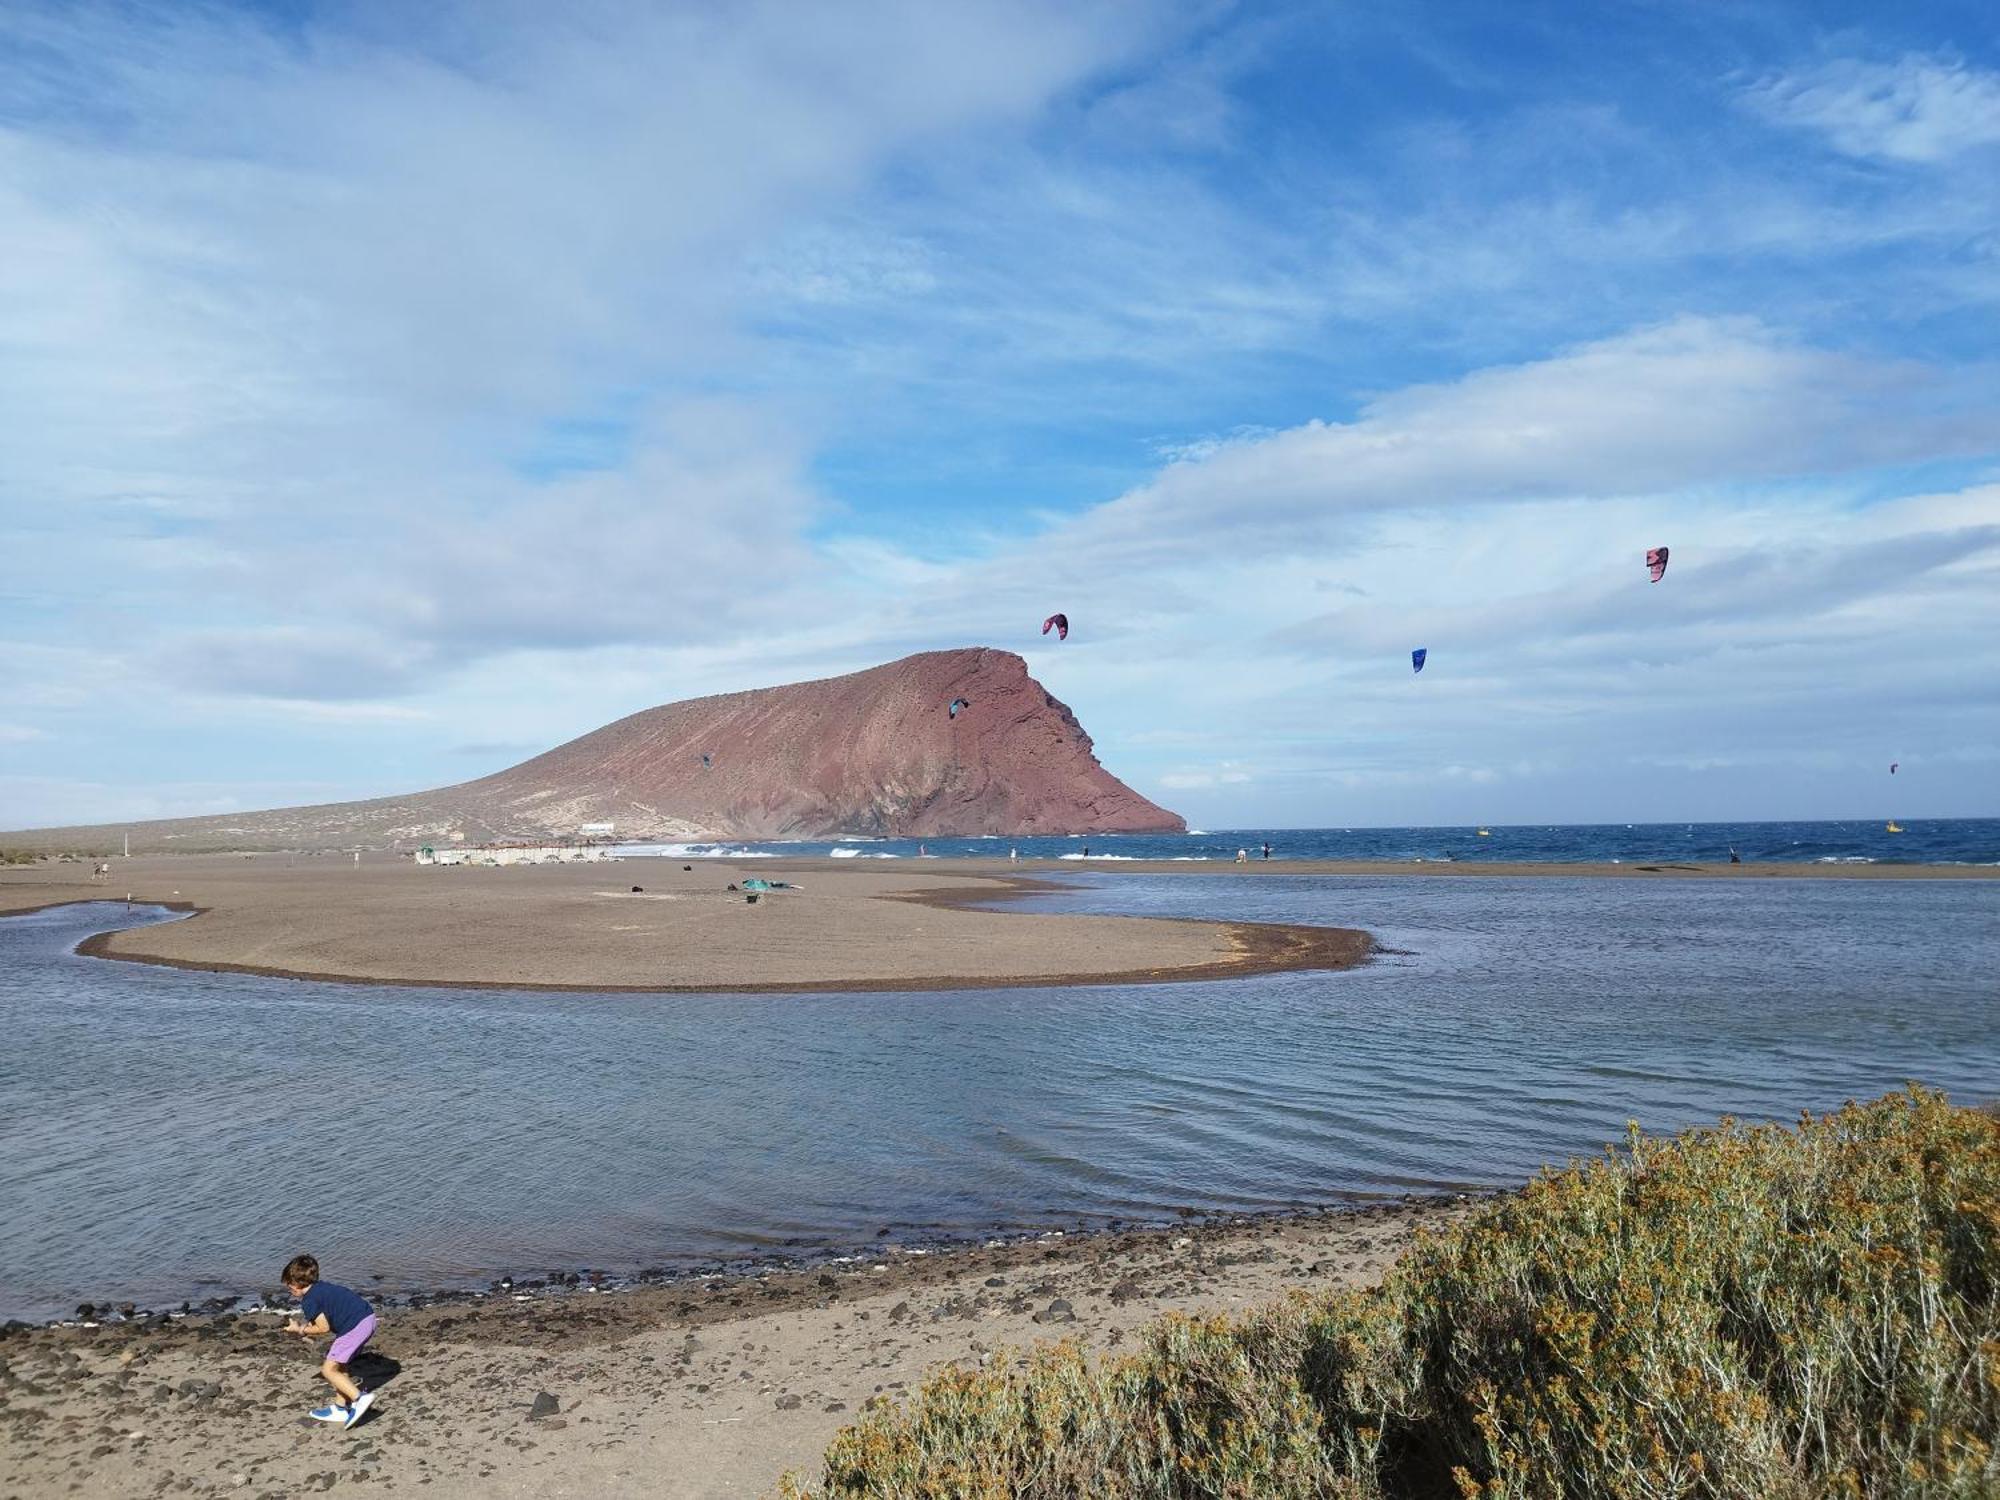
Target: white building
(516, 854)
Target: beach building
(516, 854)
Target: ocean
(168, 1134)
(1959, 841)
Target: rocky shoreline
(905, 1249)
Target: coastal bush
(1737, 1311)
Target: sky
(388, 393)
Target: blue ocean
(1947, 841)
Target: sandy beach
(585, 926)
(910, 925)
(680, 1390)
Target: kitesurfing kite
(1417, 659)
(1656, 562)
(957, 704)
(1892, 766)
(706, 761)
(1061, 623)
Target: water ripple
(164, 1131)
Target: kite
(1656, 562)
(957, 704)
(1417, 659)
(706, 761)
(1061, 623)
(1892, 766)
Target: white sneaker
(333, 1411)
(360, 1405)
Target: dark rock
(788, 1403)
(201, 1390)
(545, 1406)
(1057, 1311)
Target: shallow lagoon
(166, 1133)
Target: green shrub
(1733, 1312)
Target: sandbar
(386, 920)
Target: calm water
(166, 1134)
(1964, 841)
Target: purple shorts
(349, 1343)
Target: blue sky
(387, 393)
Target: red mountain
(875, 752)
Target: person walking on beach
(327, 1308)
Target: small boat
(1486, 833)
(1893, 828)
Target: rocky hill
(876, 752)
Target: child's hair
(301, 1270)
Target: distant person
(1243, 856)
(1735, 858)
(325, 1308)
(1014, 856)
(1086, 851)
(1267, 849)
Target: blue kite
(1417, 659)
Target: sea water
(168, 1134)
(1966, 841)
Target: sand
(582, 926)
(701, 1389)
(853, 925)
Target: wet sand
(694, 1389)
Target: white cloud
(1917, 109)
(1228, 773)
(310, 371)
(1690, 402)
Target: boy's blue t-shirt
(345, 1310)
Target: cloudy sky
(389, 392)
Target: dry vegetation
(1733, 1312)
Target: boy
(326, 1308)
